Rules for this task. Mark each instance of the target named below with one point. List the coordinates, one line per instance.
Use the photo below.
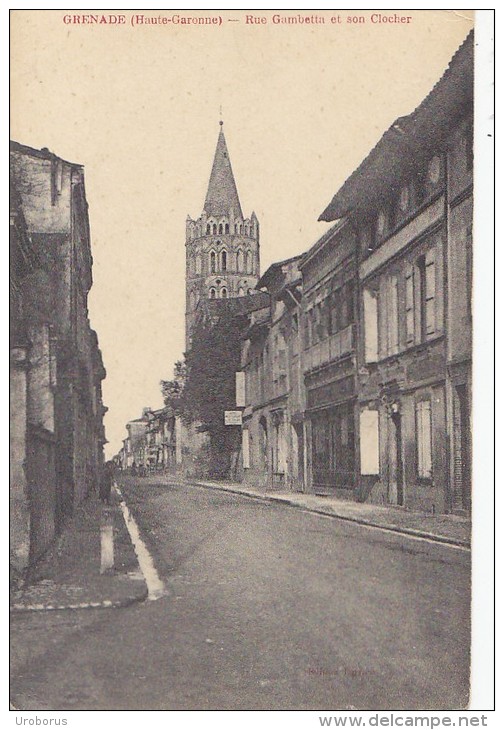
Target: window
(335, 311)
(370, 326)
(212, 293)
(434, 171)
(404, 199)
(246, 449)
(280, 451)
(306, 330)
(226, 228)
(212, 262)
(241, 292)
(223, 261)
(427, 274)
(424, 439)
(381, 224)
(410, 306)
(239, 261)
(223, 293)
(208, 229)
(370, 442)
(392, 316)
(214, 228)
(248, 264)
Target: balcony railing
(330, 349)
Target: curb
(122, 603)
(464, 544)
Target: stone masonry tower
(222, 247)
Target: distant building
(161, 440)
(56, 364)
(222, 246)
(410, 202)
(151, 444)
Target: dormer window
(381, 223)
(434, 171)
(404, 199)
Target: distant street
(268, 607)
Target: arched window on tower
(223, 293)
(214, 228)
(211, 293)
(248, 262)
(239, 261)
(226, 228)
(212, 262)
(208, 229)
(236, 227)
(221, 230)
(223, 261)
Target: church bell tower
(222, 247)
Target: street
(267, 608)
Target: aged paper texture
(241, 266)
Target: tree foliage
(212, 363)
(173, 390)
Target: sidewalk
(448, 529)
(68, 576)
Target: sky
(139, 107)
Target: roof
(222, 195)
(235, 306)
(410, 138)
(272, 270)
(43, 153)
(322, 241)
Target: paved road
(268, 607)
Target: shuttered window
(430, 293)
(392, 316)
(369, 442)
(424, 439)
(246, 449)
(370, 326)
(410, 306)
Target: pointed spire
(222, 194)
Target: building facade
(329, 343)
(410, 202)
(222, 247)
(272, 429)
(56, 364)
